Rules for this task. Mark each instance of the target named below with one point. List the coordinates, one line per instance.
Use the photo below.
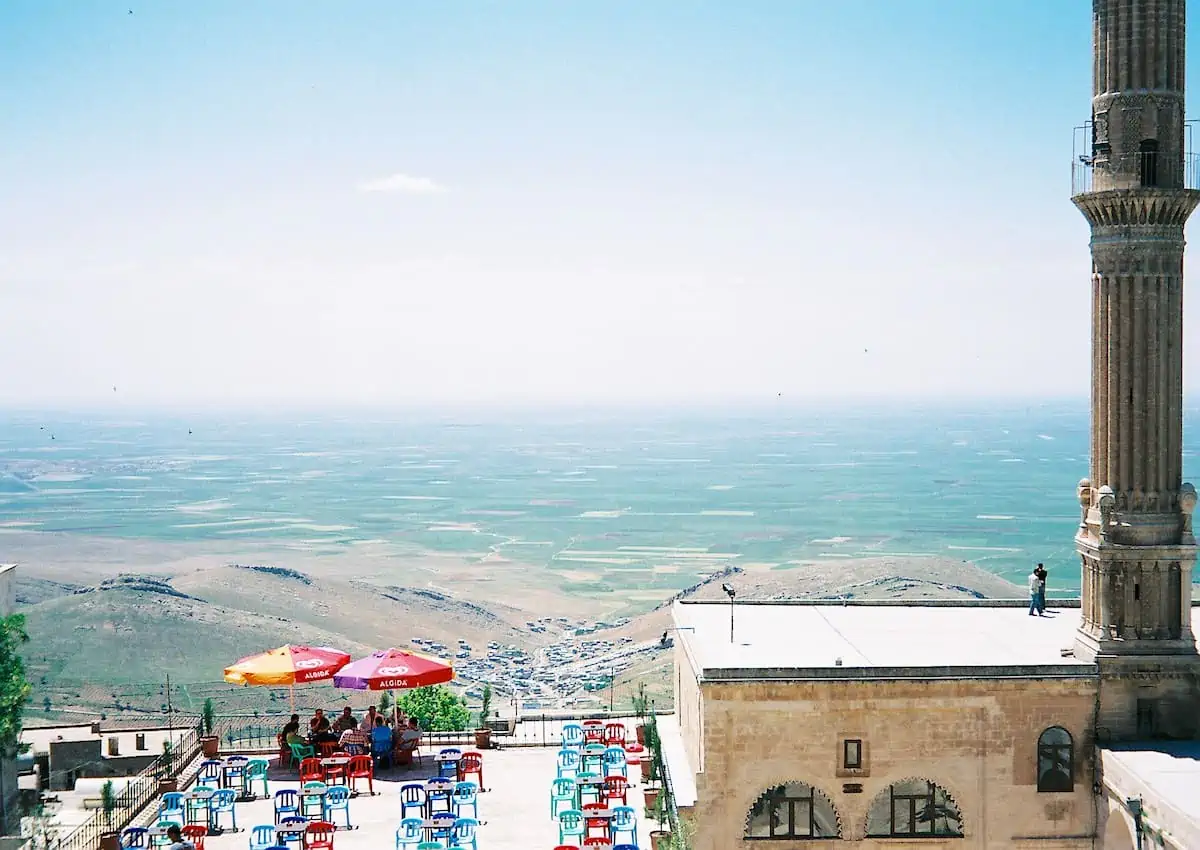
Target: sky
(383, 203)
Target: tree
(46, 704)
(436, 709)
(14, 692)
(385, 702)
(486, 709)
(208, 716)
(108, 801)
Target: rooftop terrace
(831, 640)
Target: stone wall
(975, 738)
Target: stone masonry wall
(975, 738)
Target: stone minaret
(1135, 533)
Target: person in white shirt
(176, 838)
(1035, 593)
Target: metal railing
(140, 792)
(1144, 169)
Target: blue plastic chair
(412, 796)
(623, 819)
(171, 807)
(449, 769)
(197, 809)
(262, 837)
(443, 826)
(439, 798)
(568, 763)
(134, 836)
(572, 735)
(162, 840)
(337, 799)
(296, 833)
(624, 847)
(233, 774)
(286, 804)
(613, 762)
(410, 833)
(222, 803)
(562, 790)
(466, 795)
(462, 834)
(210, 773)
(570, 825)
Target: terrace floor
(514, 811)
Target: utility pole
(612, 687)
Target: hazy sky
(403, 202)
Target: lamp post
(730, 592)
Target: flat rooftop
(1166, 777)
(800, 639)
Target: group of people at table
(392, 739)
(589, 796)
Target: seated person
(345, 721)
(381, 740)
(319, 730)
(355, 741)
(411, 732)
(368, 721)
(175, 836)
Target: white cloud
(404, 184)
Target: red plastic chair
(614, 734)
(195, 833)
(327, 748)
(319, 836)
(361, 767)
(311, 771)
(596, 842)
(616, 788)
(594, 823)
(593, 734)
(471, 764)
(567, 847)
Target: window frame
(917, 803)
(857, 744)
(1052, 755)
(795, 803)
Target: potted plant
(640, 705)
(483, 732)
(166, 782)
(109, 839)
(660, 838)
(210, 744)
(653, 752)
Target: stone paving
(514, 811)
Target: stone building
(974, 725)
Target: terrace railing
(1144, 169)
(140, 792)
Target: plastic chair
(337, 799)
(616, 788)
(471, 764)
(597, 841)
(624, 847)
(209, 773)
(163, 840)
(233, 774)
(222, 803)
(256, 771)
(409, 834)
(309, 801)
(572, 735)
(196, 809)
(562, 790)
(335, 774)
(593, 758)
(462, 834)
(300, 752)
(431, 845)
(624, 819)
(412, 796)
(318, 836)
(287, 803)
(567, 847)
(466, 795)
(311, 770)
(439, 798)
(406, 751)
(195, 834)
(361, 767)
(171, 807)
(443, 826)
(568, 763)
(597, 823)
(613, 762)
(134, 836)
(570, 825)
(327, 748)
(262, 837)
(296, 833)
(614, 734)
(449, 769)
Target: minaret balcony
(1134, 171)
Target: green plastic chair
(562, 790)
(570, 825)
(300, 752)
(256, 771)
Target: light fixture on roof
(730, 592)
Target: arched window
(790, 811)
(1056, 760)
(1148, 162)
(913, 807)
